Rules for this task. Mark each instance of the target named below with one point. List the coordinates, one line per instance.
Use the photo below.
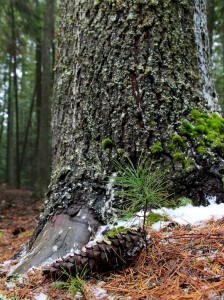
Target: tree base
(61, 235)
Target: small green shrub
(139, 186)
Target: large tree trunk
(128, 71)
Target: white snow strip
(135, 222)
(41, 296)
(190, 214)
(101, 294)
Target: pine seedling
(140, 187)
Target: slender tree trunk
(38, 99)
(2, 121)
(211, 21)
(129, 71)
(27, 129)
(43, 153)
(3, 111)
(10, 172)
(15, 88)
(223, 53)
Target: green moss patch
(183, 201)
(116, 230)
(157, 148)
(106, 143)
(178, 156)
(177, 139)
(154, 217)
(204, 132)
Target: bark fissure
(127, 71)
(120, 90)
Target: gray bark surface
(125, 70)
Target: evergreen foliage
(140, 187)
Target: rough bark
(128, 71)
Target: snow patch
(190, 214)
(107, 208)
(134, 223)
(55, 248)
(101, 294)
(211, 199)
(41, 296)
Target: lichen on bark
(127, 71)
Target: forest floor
(181, 262)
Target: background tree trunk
(10, 174)
(211, 21)
(43, 152)
(128, 71)
(15, 90)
